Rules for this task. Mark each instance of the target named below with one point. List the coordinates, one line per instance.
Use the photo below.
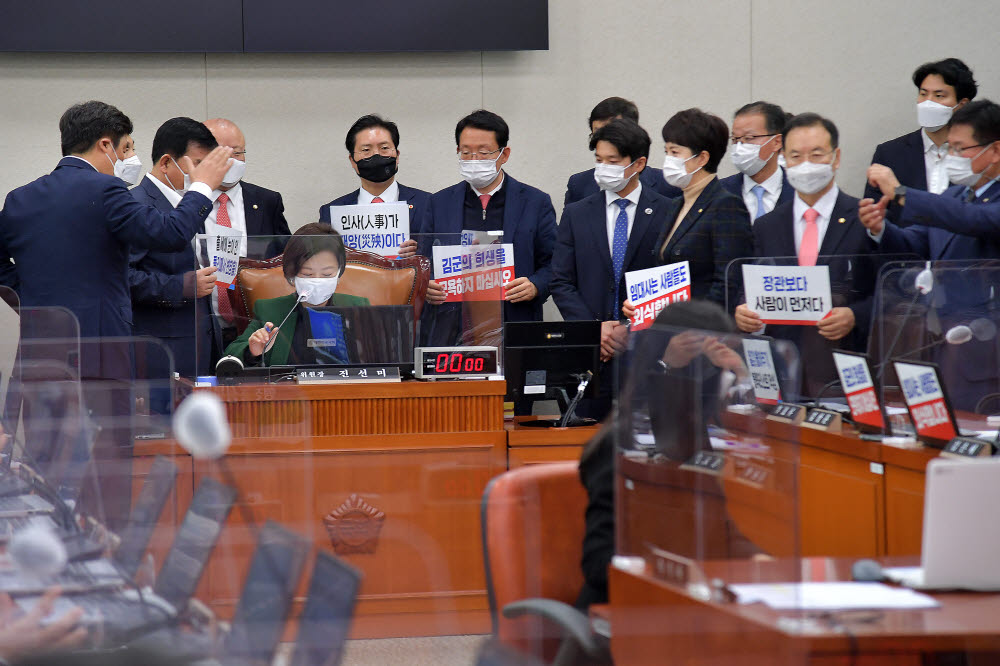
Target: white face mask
(746, 157)
(235, 174)
(933, 116)
(611, 177)
(187, 179)
(809, 177)
(128, 170)
(479, 173)
(316, 290)
(960, 169)
(675, 173)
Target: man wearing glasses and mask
(756, 147)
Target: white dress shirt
(772, 190)
(825, 209)
(391, 195)
(237, 217)
(172, 196)
(613, 210)
(937, 174)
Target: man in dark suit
(918, 158)
(251, 210)
(490, 202)
(605, 236)
(373, 151)
(938, 228)
(582, 185)
(169, 295)
(819, 226)
(756, 139)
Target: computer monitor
(546, 360)
(326, 618)
(145, 512)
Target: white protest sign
(225, 254)
(652, 289)
(788, 294)
(380, 228)
(760, 362)
(473, 272)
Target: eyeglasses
(480, 155)
(816, 156)
(749, 138)
(368, 151)
(954, 150)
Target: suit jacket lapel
(513, 208)
(644, 215)
(595, 222)
(693, 214)
(916, 161)
(837, 228)
(252, 213)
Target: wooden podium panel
(529, 445)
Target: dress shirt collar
(611, 197)
(503, 179)
(824, 206)
(171, 195)
(931, 147)
(391, 194)
(235, 194)
(772, 185)
(77, 157)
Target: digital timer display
(456, 361)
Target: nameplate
(967, 447)
(348, 375)
(752, 474)
(823, 419)
(788, 413)
(706, 462)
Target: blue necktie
(758, 191)
(618, 246)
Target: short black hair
(175, 137)
(954, 72)
(697, 130)
(309, 240)
(774, 115)
(811, 120)
(83, 125)
(368, 122)
(485, 120)
(983, 116)
(631, 140)
(613, 107)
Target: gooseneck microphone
(37, 550)
(270, 343)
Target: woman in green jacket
(313, 262)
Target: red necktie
(485, 199)
(809, 249)
(222, 219)
(377, 200)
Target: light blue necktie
(618, 246)
(758, 191)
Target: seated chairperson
(313, 262)
(761, 182)
(490, 200)
(582, 185)
(373, 151)
(918, 158)
(820, 222)
(169, 295)
(708, 226)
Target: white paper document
(831, 596)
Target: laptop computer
(960, 542)
(326, 618)
(372, 335)
(145, 512)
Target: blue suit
(418, 200)
(582, 185)
(734, 185)
(905, 156)
(69, 233)
(529, 222)
(159, 308)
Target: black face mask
(377, 168)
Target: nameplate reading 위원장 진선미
(652, 289)
(798, 295)
(352, 375)
(379, 228)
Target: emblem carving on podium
(354, 526)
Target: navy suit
(734, 185)
(905, 156)
(582, 274)
(418, 201)
(264, 213)
(159, 308)
(715, 231)
(69, 233)
(529, 222)
(852, 281)
(582, 185)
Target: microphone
(201, 428)
(37, 550)
(867, 571)
(923, 284)
(925, 280)
(956, 335)
(270, 343)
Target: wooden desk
(528, 445)
(651, 618)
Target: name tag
(788, 413)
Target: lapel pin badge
(649, 211)
(700, 209)
(841, 221)
(255, 206)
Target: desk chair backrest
(382, 281)
(533, 527)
